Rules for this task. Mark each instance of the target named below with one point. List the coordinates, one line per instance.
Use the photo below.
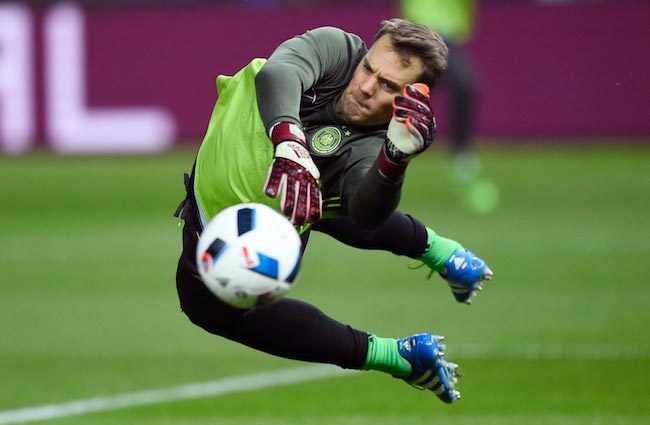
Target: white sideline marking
(307, 373)
(183, 392)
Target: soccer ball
(249, 255)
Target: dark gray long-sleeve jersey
(301, 83)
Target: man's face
(381, 75)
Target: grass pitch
(88, 249)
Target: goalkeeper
(324, 131)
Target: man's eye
(390, 87)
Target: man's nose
(367, 86)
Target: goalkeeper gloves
(410, 132)
(293, 175)
(461, 268)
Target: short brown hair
(410, 39)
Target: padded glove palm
(410, 132)
(413, 127)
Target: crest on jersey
(326, 140)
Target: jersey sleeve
(367, 195)
(322, 54)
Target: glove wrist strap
(388, 167)
(283, 131)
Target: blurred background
(103, 104)
(139, 75)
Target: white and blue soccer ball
(249, 255)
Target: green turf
(560, 336)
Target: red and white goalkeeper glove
(293, 175)
(410, 132)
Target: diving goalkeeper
(324, 131)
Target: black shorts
(197, 301)
(287, 328)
